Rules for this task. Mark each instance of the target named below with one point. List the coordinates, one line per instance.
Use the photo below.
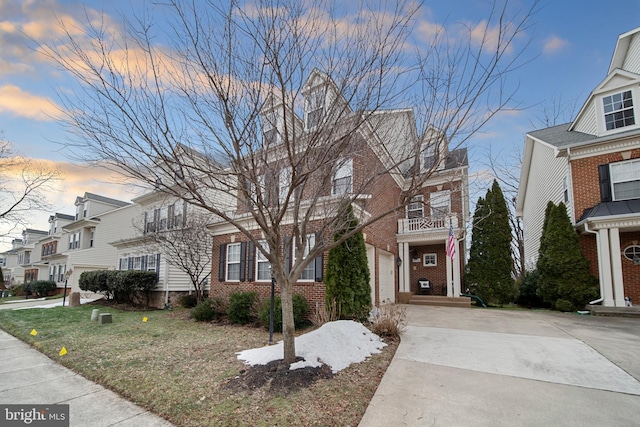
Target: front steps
(598, 310)
(440, 301)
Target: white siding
(113, 226)
(632, 60)
(546, 176)
(588, 122)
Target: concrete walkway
(28, 377)
(479, 367)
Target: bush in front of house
(188, 301)
(121, 286)
(388, 321)
(242, 307)
(300, 311)
(209, 309)
(42, 287)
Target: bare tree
(24, 184)
(186, 244)
(263, 104)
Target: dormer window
(618, 110)
(314, 108)
(270, 129)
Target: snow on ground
(336, 344)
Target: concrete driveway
(481, 367)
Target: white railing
(428, 223)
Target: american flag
(451, 248)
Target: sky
(571, 46)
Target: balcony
(426, 224)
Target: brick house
(402, 247)
(593, 165)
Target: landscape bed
(188, 372)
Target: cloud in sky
(554, 44)
(24, 104)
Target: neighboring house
(593, 165)
(27, 265)
(160, 215)
(53, 247)
(391, 244)
(85, 242)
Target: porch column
(616, 267)
(404, 279)
(604, 268)
(450, 291)
(456, 270)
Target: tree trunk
(288, 326)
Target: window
(270, 128)
(416, 207)
(233, 262)
(151, 263)
(284, 184)
(164, 213)
(91, 238)
(263, 267)
(440, 203)
(309, 272)
(85, 209)
(565, 190)
(430, 260)
(61, 271)
(632, 253)
(314, 108)
(625, 180)
(618, 110)
(341, 183)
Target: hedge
(121, 286)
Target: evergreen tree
(565, 281)
(347, 277)
(491, 263)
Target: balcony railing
(427, 223)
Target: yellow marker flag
(34, 332)
(63, 351)
(144, 319)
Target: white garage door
(387, 276)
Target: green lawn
(177, 368)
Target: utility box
(104, 318)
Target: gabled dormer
(322, 100)
(273, 114)
(614, 105)
(434, 150)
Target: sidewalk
(477, 367)
(29, 377)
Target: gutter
(586, 229)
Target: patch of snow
(336, 344)
(56, 304)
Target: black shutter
(251, 262)
(605, 183)
(144, 229)
(243, 260)
(221, 263)
(184, 214)
(287, 255)
(158, 266)
(130, 263)
(143, 263)
(319, 267)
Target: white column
(450, 292)
(456, 270)
(604, 268)
(616, 267)
(404, 284)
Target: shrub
(300, 310)
(528, 290)
(121, 286)
(242, 307)
(390, 320)
(188, 301)
(564, 305)
(204, 311)
(19, 290)
(42, 287)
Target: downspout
(586, 229)
(166, 284)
